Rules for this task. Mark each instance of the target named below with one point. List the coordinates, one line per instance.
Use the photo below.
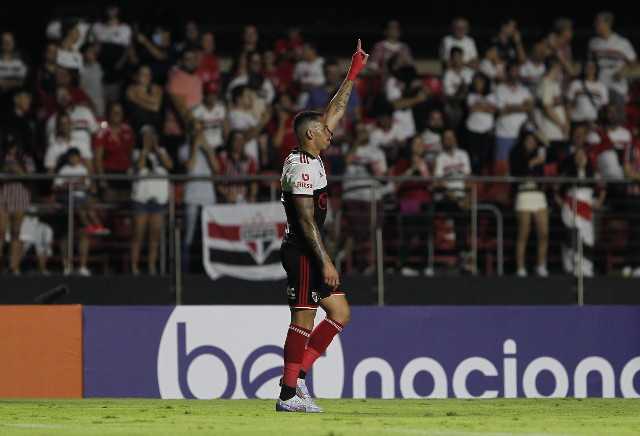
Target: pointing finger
(359, 46)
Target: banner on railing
(243, 240)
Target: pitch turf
(512, 417)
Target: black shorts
(305, 281)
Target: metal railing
(490, 222)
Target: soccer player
(312, 280)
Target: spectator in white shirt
(149, 197)
(481, 108)
(213, 113)
(459, 38)
(241, 118)
(532, 70)
(92, 78)
(62, 141)
(308, 72)
(198, 159)
(364, 163)
(493, 66)
(587, 95)
(387, 135)
(514, 104)
(69, 57)
(550, 115)
(455, 86)
(389, 47)
(405, 91)
(615, 57)
(452, 197)
(432, 136)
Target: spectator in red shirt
(62, 78)
(234, 162)
(113, 145)
(415, 206)
(279, 77)
(208, 71)
(288, 51)
(281, 129)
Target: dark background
(335, 25)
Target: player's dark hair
(300, 121)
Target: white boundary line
(473, 433)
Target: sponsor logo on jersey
(305, 185)
(305, 177)
(322, 201)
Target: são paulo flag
(243, 240)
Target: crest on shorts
(291, 292)
(315, 295)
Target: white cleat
(294, 404)
(303, 393)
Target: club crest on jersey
(322, 201)
(315, 295)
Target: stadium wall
(392, 352)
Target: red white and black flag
(243, 240)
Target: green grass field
(503, 417)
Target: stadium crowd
(103, 99)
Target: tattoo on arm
(339, 103)
(304, 208)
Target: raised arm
(304, 208)
(338, 104)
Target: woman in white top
(481, 107)
(149, 196)
(586, 95)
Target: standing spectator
(587, 95)
(288, 52)
(87, 219)
(632, 209)
(452, 197)
(250, 43)
(550, 115)
(615, 57)
(493, 66)
(62, 141)
(281, 129)
(509, 42)
(280, 78)
(612, 136)
(83, 124)
(184, 91)
(526, 159)
(209, 70)
(481, 106)
(46, 74)
(389, 47)
(320, 96)
(191, 36)
(112, 148)
(559, 45)
(69, 57)
(144, 101)
(149, 197)
(455, 87)
(235, 162)
(387, 135)
(198, 159)
(364, 163)
(34, 233)
(12, 71)
(405, 91)
(159, 53)
(533, 69)
(266, 91)
(308, 72)
(415, 207)
(15, 198)
(115, 39)
(432, 136)
(459, 38)
(241, 118)
(514, 104)
(92, 77)
(213, 113)
(582, 218)
(21, 123)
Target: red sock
(294, 353)
(319, 340)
